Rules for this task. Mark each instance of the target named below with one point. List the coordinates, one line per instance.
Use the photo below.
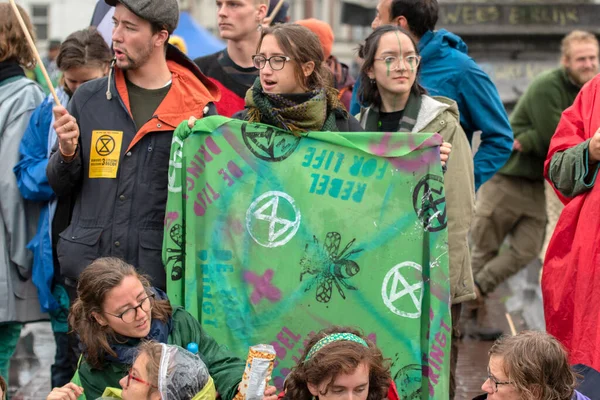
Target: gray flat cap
(162, 12)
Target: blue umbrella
(199, 41)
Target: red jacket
(570, 286)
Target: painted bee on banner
(329, 265)
(176, 233)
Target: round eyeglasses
(411, 62)
(128, 316)
(275, 62)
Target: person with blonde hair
(19, 96)
(529, 366)
(512, 205)
(579, 58)
(240, 23)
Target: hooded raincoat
(19, 96)
(570, 284)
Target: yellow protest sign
(104, 153)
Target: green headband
(334, 338)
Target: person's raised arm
(64, 168)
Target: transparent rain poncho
(183, 376)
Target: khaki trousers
(510, 208)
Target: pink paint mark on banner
(372, 337)
(415, 164)
(170, 218)
(384, 147)
(239, 148)
(263, 288)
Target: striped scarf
(318, 113)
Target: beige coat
(440, 114)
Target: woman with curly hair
(339, 362)
(529, 366)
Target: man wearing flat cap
(115, 141)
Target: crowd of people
(82, 242)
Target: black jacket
(124, 216)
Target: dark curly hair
(336, 358)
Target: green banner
(270, 237)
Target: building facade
(56, 19)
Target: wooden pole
(275, 11)
(34, 49)
(511, 324)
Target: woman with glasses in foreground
(160, 371)
(164, 371)
(116, 309)
(293, 91)
(529, 366)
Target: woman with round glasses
(529, 366)
(116, 309)
(293, 90)
(397, 103)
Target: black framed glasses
(411, 62)
(128, 316)
(275, 62)
(495, 380)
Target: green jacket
(570, 171)
(440, 114)
(225, 369)
(534, 121)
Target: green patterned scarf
(318, 113)
(408, 120)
